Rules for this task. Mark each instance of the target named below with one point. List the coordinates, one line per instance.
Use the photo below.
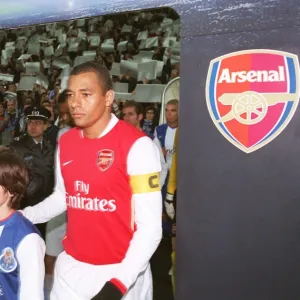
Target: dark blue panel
(238, 222)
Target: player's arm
(144, 174)
(164, 166)
(53, 205)
(30, 255)
(172, 182)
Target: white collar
(37, 141)
(111, 124)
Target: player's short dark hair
(137, 106)
(100, 70)
(173, 102)
(13, 176)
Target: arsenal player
(107, 178)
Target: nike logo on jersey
(66, 163)
(1, 229)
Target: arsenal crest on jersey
(105, 159)
(252, 95)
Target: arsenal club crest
(105, 159)
(252, 95)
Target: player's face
(36, 128)
(130, 116)
(171, 113)
(86, 100)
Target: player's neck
(95, 131)
(138, 127)
(173, 125)
(5, 212)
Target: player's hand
(109, 292)
(170, 208)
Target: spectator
(11, 119)
(150, 120)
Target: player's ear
(140, 117)
(10, 195)
(109, 97)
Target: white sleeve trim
(30, 255)
(143, 158)
(52, 206)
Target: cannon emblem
(251, 107)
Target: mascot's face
(7, 257)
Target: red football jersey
(98, 194)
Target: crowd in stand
(139, 48)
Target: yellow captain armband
(146, 183)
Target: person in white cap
(38, 155)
